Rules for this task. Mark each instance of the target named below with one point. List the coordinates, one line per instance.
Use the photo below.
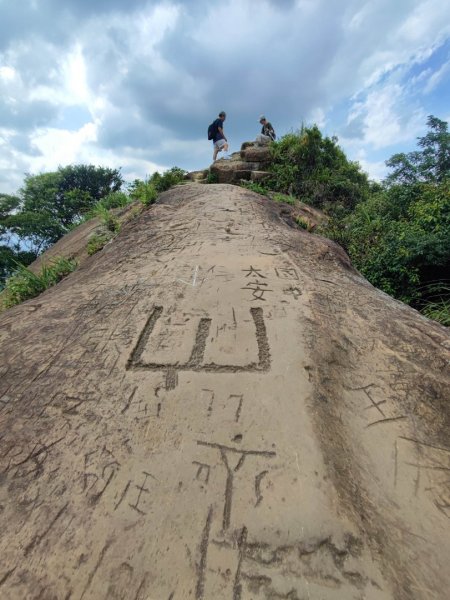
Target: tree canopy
(399, 238)
(430, 164)
(48, 206)
(397, 233)
(316, 170)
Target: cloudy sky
(135, 83)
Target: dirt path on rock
(218, 406)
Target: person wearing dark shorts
(220, 142)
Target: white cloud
(7, 73)
(11, 85)
(425, 19)
(376, 170)
(148, 76)
(75, 77)
(317, 116)
(436, 78)
(59, 146)
(385, 123)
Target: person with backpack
(216, 134)
(267, 132)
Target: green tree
(98, 182)
(10, 249)
(47, 206)
(399, 237)
(67, 194)
(431, 164)
(52, 203)
(8, 204)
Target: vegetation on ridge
(25, 284)
(396, 233)
(48, 207)
(315, 169)
(399, 238)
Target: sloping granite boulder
(218, 405)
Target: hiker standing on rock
(267, 132)
(218, 137)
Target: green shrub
(115, 200)
(284, 198)
(24, 284)
(149, 194)
(314, 169)
(302, 223)
(255, 187)
(112, 223)
(147, 191)
(134, 212)
(168, 179)
(103, 207)
(438, 311)
(212, 178)
(97, 242)
(107, 218)
(437, 305)
(398, 239)
(144, 191)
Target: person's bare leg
(216, 150)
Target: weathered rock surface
(218, 406)
(198, 176)
(310, 216)
(232, 171)
(259, 175)
(241, 166)
(254, 153)
(74, 243)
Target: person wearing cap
(219, 140)
(267, 132)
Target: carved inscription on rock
(196, 360)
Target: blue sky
(134, 84)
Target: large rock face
(219, 406)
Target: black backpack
(212, 130)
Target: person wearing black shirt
(267, 132)
(219, 140)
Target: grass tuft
(212, 178)
(255, 187)
(24, 284)
(302, 223)
(437, 306)
(284, 198)
(97, 242)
